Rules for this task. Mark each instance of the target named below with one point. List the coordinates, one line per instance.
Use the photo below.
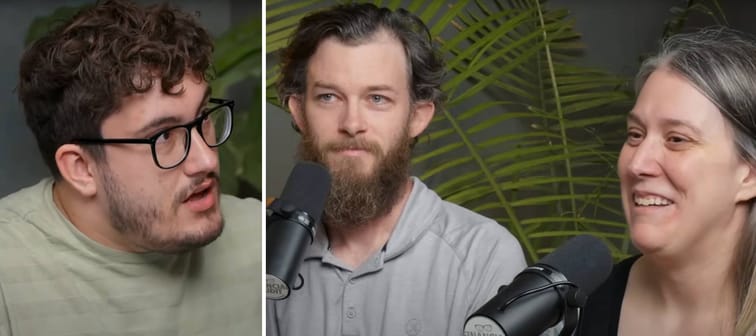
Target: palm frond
(526, 137)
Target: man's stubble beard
(136, 217)
(355, 199)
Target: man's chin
(188, 241)
(189, 233)
(203, 238)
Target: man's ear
(747, 178)
(77, 168)
(296, 107)
(421, 117)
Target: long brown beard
(355, 198)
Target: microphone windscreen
(307, 188)
(584, 260)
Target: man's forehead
(378, 61)
(141, 113)
(380, 35)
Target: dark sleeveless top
(601, 314)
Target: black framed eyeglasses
(170, 147)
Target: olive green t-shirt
(56, 281)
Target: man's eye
(164, 137)
(326, 97)
(378, 99)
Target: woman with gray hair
(688, 180)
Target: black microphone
(291, 222)
(545, 293)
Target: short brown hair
(355, 24)
(77, 75)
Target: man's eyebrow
(159, 123)
(328, 86)
(173, 120)
(323, 85)
(381, 88)
(205, 98)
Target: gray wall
(20, 162)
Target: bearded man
(391, 257)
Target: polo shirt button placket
(351, 313)
(350, 324)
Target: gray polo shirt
(441, 263)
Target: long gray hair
(721, 63)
